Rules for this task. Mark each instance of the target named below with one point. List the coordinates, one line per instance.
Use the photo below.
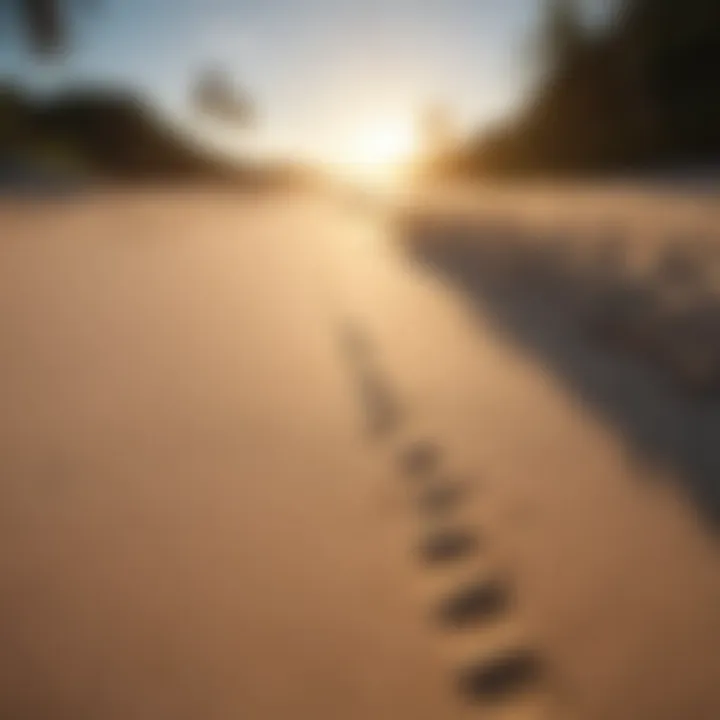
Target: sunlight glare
(381, 152)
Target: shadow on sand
(640, 349)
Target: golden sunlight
(381, 152)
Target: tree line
(640, 91)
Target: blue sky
(318, 70)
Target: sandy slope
(193, 523)
(610, 551)
(184, 518)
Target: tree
(46, 22)
(562, 33)
(215, 96)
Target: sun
(381, 151)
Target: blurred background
(359, 359)
(524, 87)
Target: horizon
(326, 77)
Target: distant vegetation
(46, 24)
(641, 91)
(108, 134)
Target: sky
(318, 71)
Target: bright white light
(381, 151)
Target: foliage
(111, 134)
(641, 92)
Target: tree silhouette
(46, 22)
(215, 96)
(562, 34)
(640, 92)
